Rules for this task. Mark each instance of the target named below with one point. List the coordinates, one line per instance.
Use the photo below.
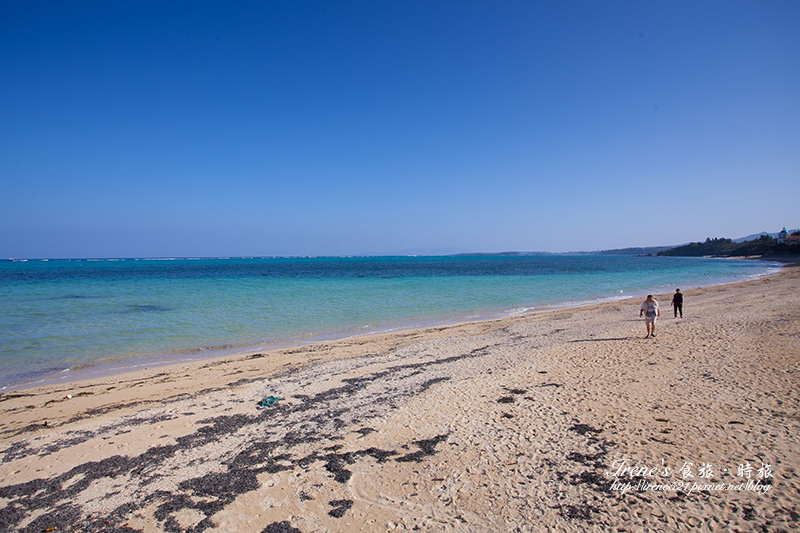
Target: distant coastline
(757, 244)
(764, 245)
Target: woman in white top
(651, 312)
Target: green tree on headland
(721, 247)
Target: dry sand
(567, 420)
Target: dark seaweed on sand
(274, 432)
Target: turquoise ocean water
(66, 319)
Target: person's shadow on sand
(599, 340)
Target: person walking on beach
(651, 312)
(677, 302)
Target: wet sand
(560, 420)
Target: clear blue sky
(214, 128)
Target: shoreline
(514, 423)
(283, 348)
(120, 366)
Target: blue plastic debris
(268, 401)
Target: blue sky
(216, 128)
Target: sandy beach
(564, 420)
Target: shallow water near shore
(59, 318)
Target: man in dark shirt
(677, 302)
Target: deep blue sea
(65, 319)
